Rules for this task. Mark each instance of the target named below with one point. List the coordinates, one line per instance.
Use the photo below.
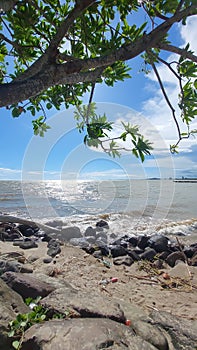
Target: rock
(14, 266)
(27, 230)
(90, 231)
(133, 241)
(190, 251)
(81, 242)
(149, 254)
(182, 332)
(47, 260)
(164, 255)
(102, 223)
(82, 304)
(47, 237)
(123, 260)
(193, 260)
(118, 250)
(143, 242)
(158, 243)
(133, 254)
(28, 245)
(26, 285)
(173, 257)
(68, 233)
(91, 239)
(11, 304)
(151, 334)
(78, 334)
(54, 247)
(97, 254)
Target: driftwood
(14, 219)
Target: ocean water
(130, 207)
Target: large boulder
(82, 304)
(86, 333)
(27, 285)
(11, 304)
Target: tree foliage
(52, 52)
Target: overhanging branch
(179, 51)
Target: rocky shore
(97, 292)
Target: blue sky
(61, 154)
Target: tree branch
(181, 52)
(51, 52)
(166, 98)
(81, 70)
(7, 5)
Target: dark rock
(28, 245)
(54, 247)
(26, 285)
(118, 250)
(143, 242)
(190, 251)
(121, 242)
(149, 254)
(11, 304)
(81, 242)
(104, 249)
(102, 223)
(193, 260)
(133, 255)
(27, 230)
(90, 231)
(53, 251)
(133, 241)
(158, 243)
(123, 260)
(164, 255)
(69, 232)
(47, 260)
(47, 237)
(87, 334)
(173, 257)
(90, 249)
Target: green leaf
(16, 344)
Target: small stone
(102, 223)
(90, 231)
(149, 254)
(123, 260)
(28, 245)
(47, 260)
(173, 257)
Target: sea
(130, 207)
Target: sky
(61, 154)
